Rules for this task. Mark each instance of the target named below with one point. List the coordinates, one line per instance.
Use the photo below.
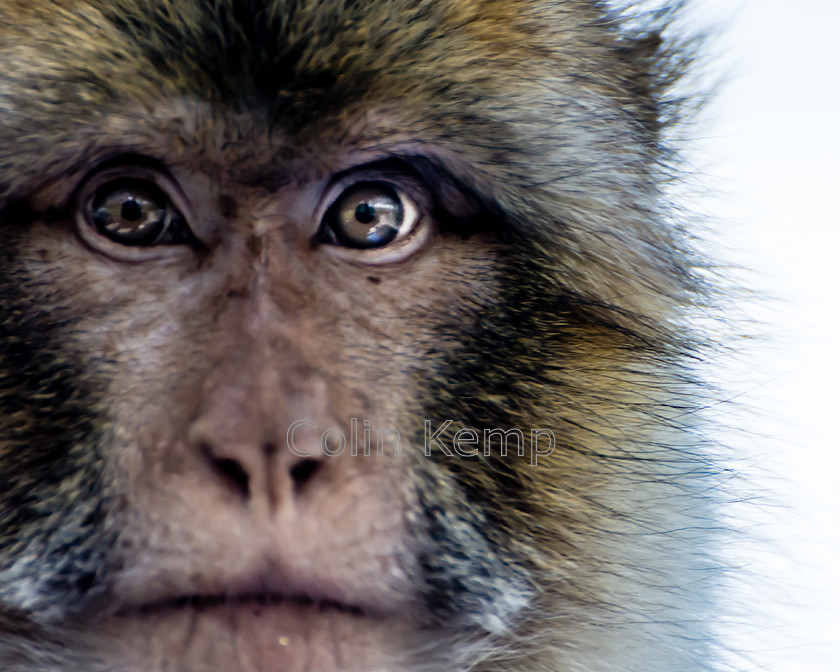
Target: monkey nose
(237, 459)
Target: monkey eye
(370, 215)
(136, 212)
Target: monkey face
(246, 351)
(285, 290)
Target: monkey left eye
(135, 212)
(370, 215)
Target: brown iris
(130, 211)
(368, 214)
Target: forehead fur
(454, 63)
(288, 53)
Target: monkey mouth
(262, 601)
(276, 629)
(267, 592)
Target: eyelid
(160, 178)
(402, 178)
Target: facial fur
(153, 515)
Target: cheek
(394, 327)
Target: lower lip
(264, 635)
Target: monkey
(350, 336)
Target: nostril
(234, 474)
(230, 471)
(303, 472)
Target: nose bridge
(282, 283)
(263, 342)
(268, 286)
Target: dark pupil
(131, 210)
(365, 213)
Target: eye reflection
(366, 215)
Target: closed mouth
(284, 629)
(203, 603)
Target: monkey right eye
(135, 212)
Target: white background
(769, 154)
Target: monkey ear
(645, 56)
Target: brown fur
(151, 516)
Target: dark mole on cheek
(374, 279)
(227, 206)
